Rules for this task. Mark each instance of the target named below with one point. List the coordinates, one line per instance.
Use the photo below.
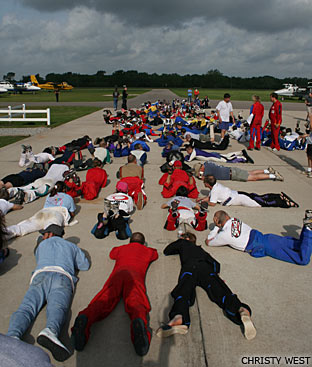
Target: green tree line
(133, 78)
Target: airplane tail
(34, 80)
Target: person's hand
(277, 125)
(207, 242)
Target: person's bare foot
(177, 320)
(249, 328)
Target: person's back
(131, 170)
(134, 257)
(188, 251)
(56, 251)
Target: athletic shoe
(278, 176)
(24, 148)
(19, 198)
(257, 148)
(249, 148)
(309, 174)
(167, 330)
(140, 202)
(308, 214)
(107, 205)
(274, 150)
(249, 328)
(271, 170)
(248, 158)
(78, 332)
(307, 220)
(49, 340)
(29, 148)
(204, 206)
(140, 337)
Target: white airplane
(3, 90)
(18, 87)
(291, 90)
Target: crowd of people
(187, 133)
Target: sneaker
(274, 150)
(271, 170)
(24, 148)
(307, 220)
(249, 148)
(167, 330)
(49, 340)
(249, 328)
(257, 148)
(309, 174)
(204, 206)
(140, 337)
(19, 198)
(107, 205)
(79, 332)
(278, 177)
(308, 214)
(140, 202)
(29, 148)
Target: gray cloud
(85, 40)
(264, 16)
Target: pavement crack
(201, 331)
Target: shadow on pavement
(291, 162)
(10, 262)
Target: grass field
(236, 94)
(74, 95)
(59, 115)
(6, 140)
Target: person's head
(182, 191)
(188, 137)
(274, 97)
(3, 231)
(58, 187)
(220, 218)
(132, 158)
(189, 149)
(137, 237)
(310, 93)
(177, 165)
(50, 150)
(122, 187)
(4, 194)
(199, 169)
(227, 97)
(255, 98)
(52, 230)
(96, 163)
(138, 147)
(103, 144)
(210, 181)
(189, 236)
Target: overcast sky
(238, 37)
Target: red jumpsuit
(96, 179)
(275, 116)
(255, 128)
(177, 179)
(127, 280)
(134, 187)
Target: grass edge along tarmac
(7, 140)
(74, 95)
(59, 115)
(236, 94)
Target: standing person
(257, 111)
(124, 98)
(224, 111)
(57, 94)
(309, 152)
(53, 282)
(308, 102)
(115, 97)
(196, 94)
(189, 95)
(128, 281)
(198, 268)
(275, 116)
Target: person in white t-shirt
(225, 110)
(220, 194)
(28, 157)
(238, 235)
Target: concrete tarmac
(278, 292)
